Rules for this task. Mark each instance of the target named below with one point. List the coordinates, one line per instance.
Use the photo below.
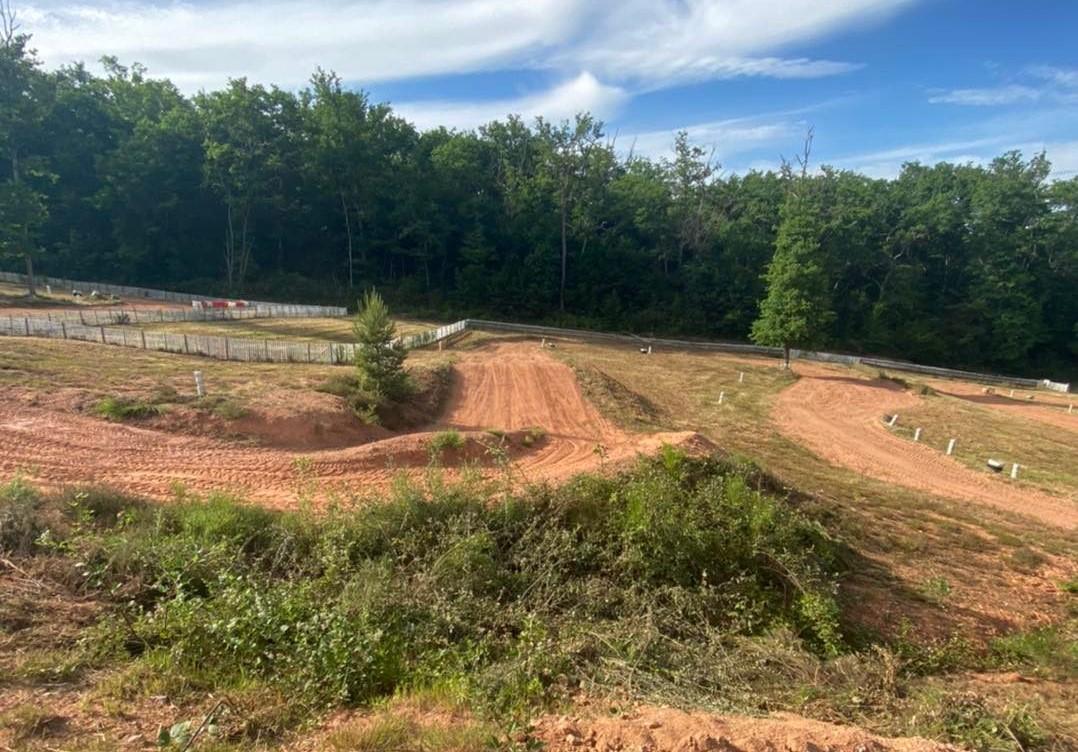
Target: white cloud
(582, 93)
(726, 138)
(988, 97)
(283, 42)
(1043, 83)
(658, 43)
(888, 163)
(631, 43)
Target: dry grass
(15, 295)
(1002, 572)
(1048, 456)
(334, 329)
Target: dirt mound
(840, 418)
(512, 392)
(669, 730)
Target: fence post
(265, 348)
(308, 352)
(102, 330)
(26, 323)
(185, 350)
(143, 332)
(63, 328)
(227, 355)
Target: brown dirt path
(670, 730)
(1044, 408)
(503, 386)
(840, 418)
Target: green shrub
(448, 439)
(665, 569)
(125, 408)
(19, 522)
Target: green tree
(23, 105)
(379, 355)
(797, 308)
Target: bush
(663, 569)
(449, 439)
(19, 522)
(125, 408)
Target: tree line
(321, 193)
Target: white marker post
(741, 377)
(543, 344)
(649, 349)
(722, 396)
(1014, 471)
(893, 420)
(200, 385)
(1070, 409)
(950, 447)
(917, 434)
(1012, 392)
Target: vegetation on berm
(518, 601)
(319, 193)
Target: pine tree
(797, 308)
(379, 357)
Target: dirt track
(1045, 408)
(840, 418)
(505, 387)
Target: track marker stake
(1070, 409)
(950, 447)
(200, 385)
(741, 377)
(917, 434)
(1014, 471)
(893, 420)
(722, 396)
(1012, 392)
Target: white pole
(1014, 471)
(543, 345)
(917, 434)
(950, 447)
(893, 420)
(200, 386)
(741, 377)
(1070, 409)
(722, 396)
(1012, 392)
(649, 349)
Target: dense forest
(320, 193)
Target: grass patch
(31, 721)
(125, 408)
(449, 439)
(518, 603)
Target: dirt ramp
(840, 418)
(669, 730)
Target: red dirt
(506, 387)
(840, 418)
(1045, 408)
(669, 730)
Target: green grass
(333, 329)
(125, 408)
(448, 439)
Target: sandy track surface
(1044, 408)
(670, 730)
(840, 418)
(506, 387)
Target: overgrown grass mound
(520, 601)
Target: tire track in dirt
(840, 418)
(506, 386)
(1050, 409)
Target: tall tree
(797, 308)
(23, 106)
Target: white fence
(294, 351)
(279, 310)
(245, 349)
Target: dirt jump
(840, 418)
(502, 393)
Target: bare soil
(509, 387)
(840, 417)
(668, 730)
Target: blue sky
(881, 81)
